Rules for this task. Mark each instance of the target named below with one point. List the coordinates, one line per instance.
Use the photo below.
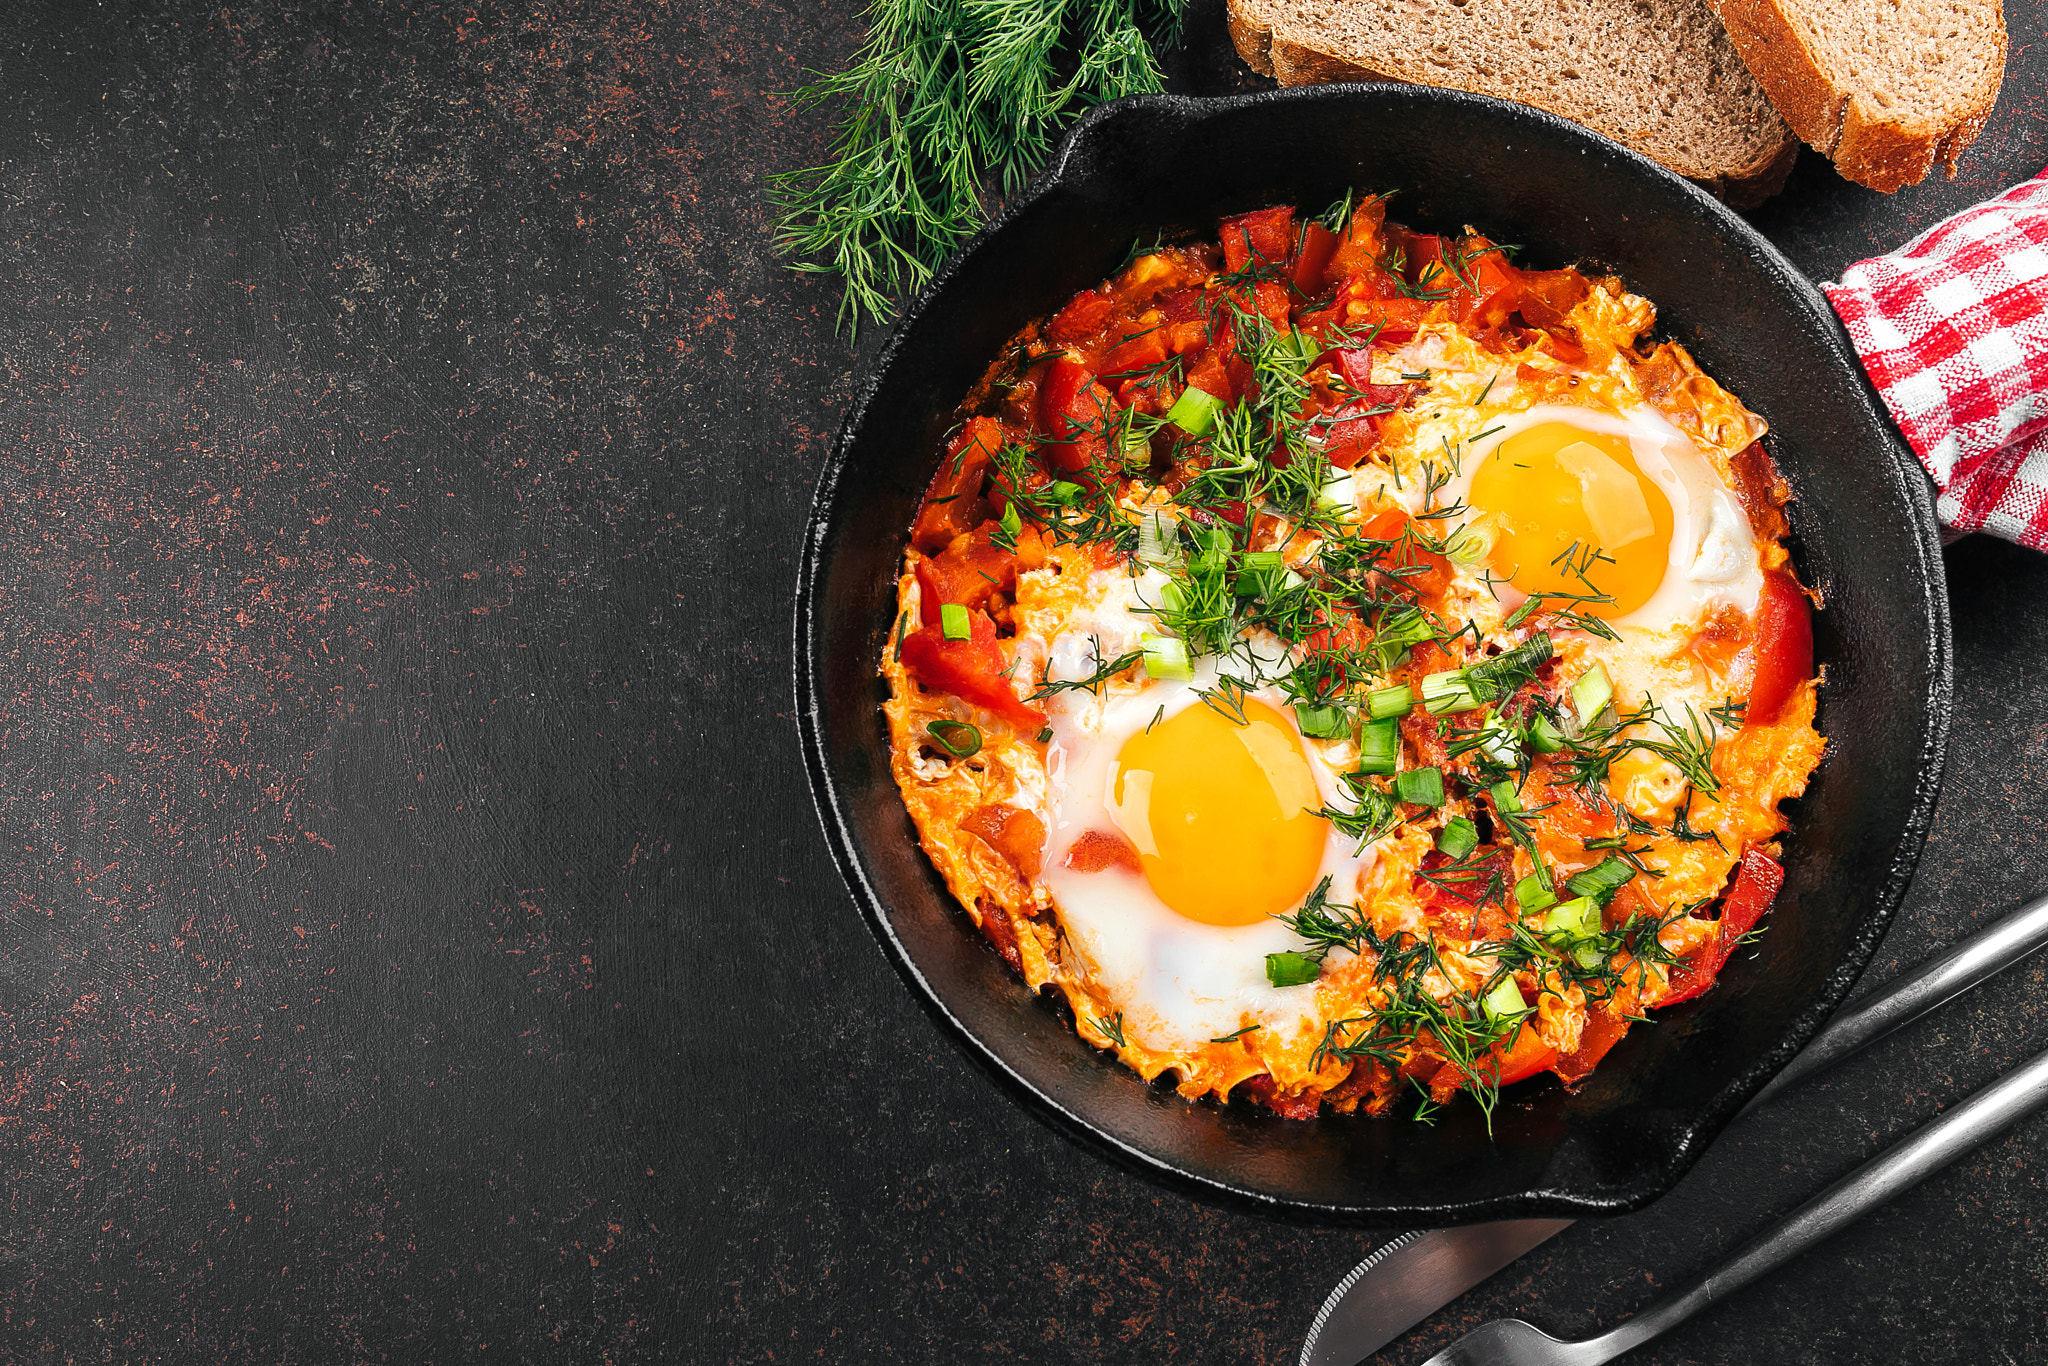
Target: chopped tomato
(1521, 1059)
(1096, 850)
(953, 504)
(1267, 234)
(1424, 572)
(1211, 376)
(972, 567)
(1081, 319)
(1318, 245)
(1545, 298)
(1263, 1090)
(1784, 646)
(1018, 835)
(1359, 253)
(1343, 631)
(973, 669)
(1422, 258)
(1073, 411)
(1756, 887)
(1390, 321)
(1602, 1032)
(1354, 429)
(1146, 349)
(1267, 238)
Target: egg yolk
(1555, 493)
(1221, 814)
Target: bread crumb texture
(1660, 76)
(1888, 88)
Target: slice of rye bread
(1659, 76)
(1887, 88)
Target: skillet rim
(1905, 474)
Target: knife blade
(1414, 1274)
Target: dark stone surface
(417, 944)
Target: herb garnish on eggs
(1343, 664)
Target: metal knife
(1412, 1275)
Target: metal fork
(1511, 1342)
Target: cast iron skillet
(1863, 533)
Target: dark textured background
(417, 943)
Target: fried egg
(1181, 821)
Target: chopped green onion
(961, 739)
(1045, 735)
(1011, 523)
(1449, 692)
(1212, 547)
(1504, 1004)
(1167, 657)
(1379, 746)
(1498, 742)
(1602, 880)
(1543, 735)
(1158, 539)
(1329, 722)
(1533, 894)
(1292, 969)
(1505, 798)
(1195, 411)
(1339, 493)
(1458, 838)
(1401, 629)
(953, 622)
(1263, 571)
(1061, 493)
(1322, 723)
(1469, 544)
(1420, 786)
(1575, 925)
(1492, 679)
(1578, 918)
(1381, 703)
(1591, 694)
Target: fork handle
(1898, 1169)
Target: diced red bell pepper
(953, 503)
(1073, 413)
(1756, 887)
(972, 670)
(1312, 258)
(1784, 646)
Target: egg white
(1179, 983)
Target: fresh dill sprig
(1104, 671)
(945, 96)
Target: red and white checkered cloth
(1953, 328)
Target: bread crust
(1294, 63)
(1872, 146)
